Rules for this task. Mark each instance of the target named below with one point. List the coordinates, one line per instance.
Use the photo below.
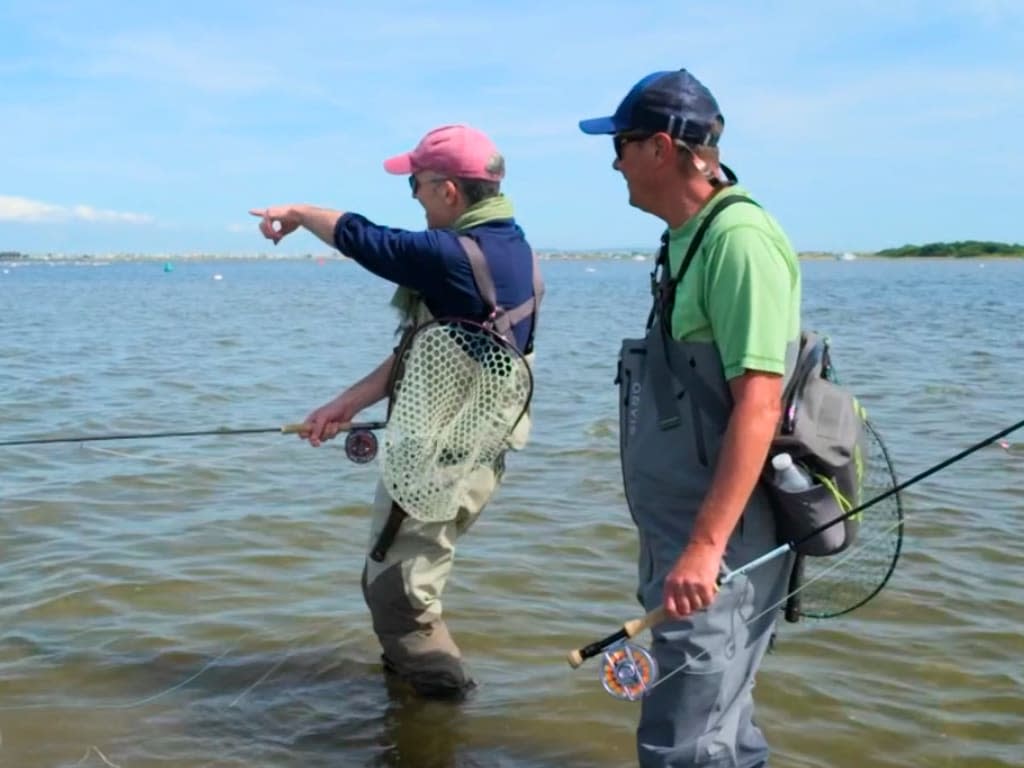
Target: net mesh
(836, 585)
(461, 392)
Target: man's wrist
(703, 537)
(301, 214)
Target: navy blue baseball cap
(674, 102)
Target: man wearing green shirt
(721, 341)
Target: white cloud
(34, 211)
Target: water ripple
(196, 602)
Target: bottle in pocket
(789, 476)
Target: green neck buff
(491, 209)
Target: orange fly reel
(628, 671)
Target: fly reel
(361, 446)
(628, 671)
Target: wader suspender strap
(682, 369)
(503, 320)
(397, 514)
(388, 533)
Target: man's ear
(662, 146)
(451, 192)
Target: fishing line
(770, 609)
(104, 758)
(360, 446)
(291, 644)
(630, 671)
(633, 690)
(134, 703)
(464, 384)
(266, 675)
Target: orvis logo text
(633, 407)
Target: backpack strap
(669, 283)
(481, 272)
(703, 395)
(503, 320)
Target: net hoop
(459, 392)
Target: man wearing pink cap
(454, 174)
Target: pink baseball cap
(455, 150)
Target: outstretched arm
(280, 221)
(417, 260)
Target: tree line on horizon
(961, 249)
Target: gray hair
(475, 190)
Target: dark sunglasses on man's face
(620, 140)
(415, 184)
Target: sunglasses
(415, 184)
(620, 140)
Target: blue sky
(145, 128)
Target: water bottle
(790, 477)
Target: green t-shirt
(742, 289)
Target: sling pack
(822, 425)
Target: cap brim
(599, 125)
(400, 165)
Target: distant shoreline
(15, 258)
(881, 257)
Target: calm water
(195, 602)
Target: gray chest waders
(675, 404)
(499, 320)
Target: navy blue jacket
(432, 263)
